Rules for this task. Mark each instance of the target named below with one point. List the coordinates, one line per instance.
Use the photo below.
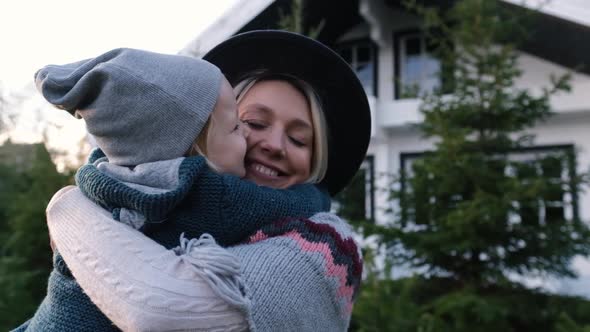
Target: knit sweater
(198, 201)
(299, 274)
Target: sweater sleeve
(222, 205)
(134, 281)
(244, 207)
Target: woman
(299, 274)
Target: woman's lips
(264, 171)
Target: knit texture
(204, 201)
(139, 106)
(65, 299)
(224, 206)
(137, 283)
(300, 274)
(303, 274)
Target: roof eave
(226, 26)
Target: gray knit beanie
(139, 106)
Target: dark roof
(551, 38)
(339, 16)
(559, 41)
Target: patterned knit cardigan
(309, 271)
(226, 207)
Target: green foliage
(383, 304)
(351, 200)
(467, 208)
(295, 20)
(566, 324)
(471, 214)
(420, 304)
(25, 260)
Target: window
(417, 71)
(554, 163)
(361, 55)
(555, 204)
(357, 200)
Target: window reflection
(418, 69)
(361, 57)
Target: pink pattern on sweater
(332, 269)
(259, 236)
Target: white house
(383, 43)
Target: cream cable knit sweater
(125, 278)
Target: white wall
(536, 74)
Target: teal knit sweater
(228, 208)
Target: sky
(36, 33)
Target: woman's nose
(274, 144)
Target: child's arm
(243, 207)
(204, 201)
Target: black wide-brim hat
(342, 96)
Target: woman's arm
(300, 274)
(137, 283)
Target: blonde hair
(319, 160)
(199, 146)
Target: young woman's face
(280, 142)
(226, 139)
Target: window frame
(407, 157)
(353, 44)
(368, 165)
(398, 37)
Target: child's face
(226, 139)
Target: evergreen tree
(295, 20)
(471, 212)
(25, 254)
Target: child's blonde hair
(199, 146)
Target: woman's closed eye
(255, 125)
(297, 142)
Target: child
(146, 111)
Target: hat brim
(343, 98)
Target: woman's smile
(281, 135)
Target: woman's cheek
(303, 159)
